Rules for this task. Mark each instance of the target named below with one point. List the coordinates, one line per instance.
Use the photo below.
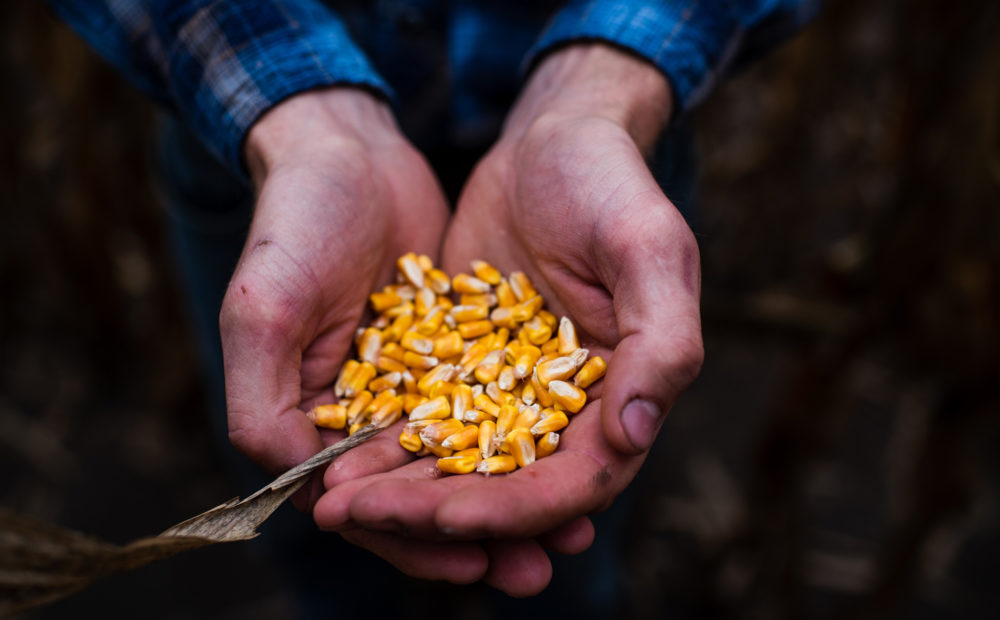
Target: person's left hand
(565, 196)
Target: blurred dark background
(837, 458)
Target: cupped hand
(340, 195)
(566, 196)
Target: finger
(332, 511)
(517, 567)
(655, 284)
(262, 376)
(457, 562)
(380, 453)
(571, 538)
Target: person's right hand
(341, 194)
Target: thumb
(263, 385)
(660, 351)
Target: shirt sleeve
(692, 42)
(221, 65)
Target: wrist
(597, 80)
(308, 124)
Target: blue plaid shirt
(451, 68)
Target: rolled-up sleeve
(691, 41)
(219, 64)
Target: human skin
(566, 196)
(340, 195)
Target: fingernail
(641, 418)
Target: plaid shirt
(451, 68)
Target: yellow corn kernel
(499, 464)
(380, 399)
(485, 404)
(392, 350)
(384, 300)
(503, 317)
(593, 370)
(403, 309)
(439, 451)
(521, 445)
(541, 394)
(506, 379)
(489, 368)
(505, 420)
(546, 445)
(528, 393)
(524, 363)
(434, 434)
(438, 281)
(510, 352)
(560, 368)
(423, 362)
(409, 438)
(328, 416)
(359, 379)
(464, 283)
(409, 266)
(478, 299)
(464, 314)
(463, 439)
(499, 339)
(406, 290)
(461, 401)
(449, 345)
(470, 359)
(464, 464)
(385, 363)
(441, 372)
(424, 301)
(346, 371)
(385, 382)
(521, 285)
(486, 272)
(500, 397)
(528, 417)
(410, 383)
(425, 262)
(356, 410)
(387, 414)
(474, 329)
(413, 341)
(441, 388)
(536, 331)
(380, 322)
(478, 416)
(549, 319)
(527, 309)
(411, 401)
(551, 422)
(432, 322)
(433, 409)
(567, 395)
(568, 341)
(487, 429)
(357, 426)
(550, 347)
(505, 295)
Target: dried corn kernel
(486, 272)
(567, 395)
(433, 409)
(551, 421)
(546, 445)
(593, 370)
(521, 446)
(409, 266)
(499, 464)
(328, 416)
(464, 283)
(457, 464)
(465, 438)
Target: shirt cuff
(233, 61)
(680, 37)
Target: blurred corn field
(836, 459)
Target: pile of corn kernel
(487, 384)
